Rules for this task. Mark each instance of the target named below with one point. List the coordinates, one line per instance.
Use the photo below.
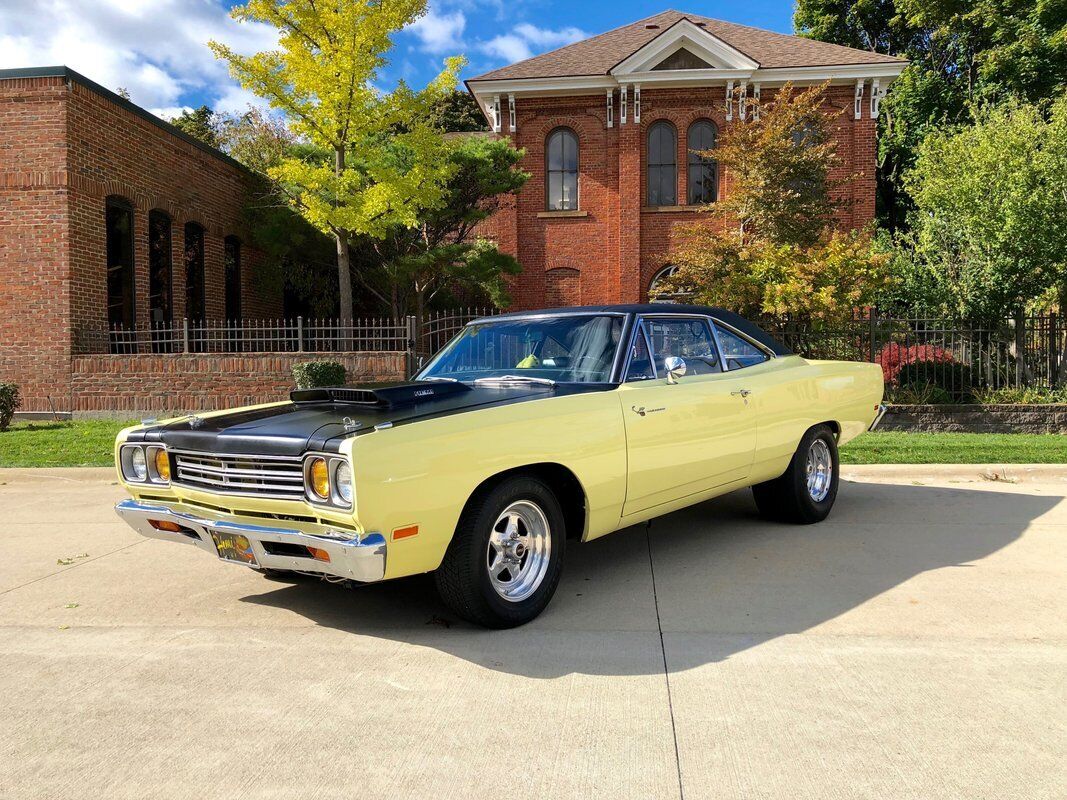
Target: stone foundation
(1047, 418)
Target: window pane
(570, 191)
(555, 150)
(689, 339)
(738, 352)
(555, 191)
(640, 368)
(570, 150)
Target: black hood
(320, 419)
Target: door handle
(742, 392)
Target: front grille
(263, 476)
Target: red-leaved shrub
(894, 356)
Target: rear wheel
(806, 491)
(505, 559)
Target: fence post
(300, 334)
(411, 327)
(185, 334)
(873, 316)
(1053, 352)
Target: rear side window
(688, 338)
(737, 352)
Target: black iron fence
(955, 358)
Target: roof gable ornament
(680, 44)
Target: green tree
(444, 250)
(388, 162)
(200, 123)
(963, 56)
(990, 220)
(457, 112)
(774, 250)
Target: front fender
(423, 473)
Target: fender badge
(424, 393)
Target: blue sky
(155, 48)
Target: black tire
(463, 579)
(786, 498)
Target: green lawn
(87, 443)
(84, 443)
(891, 447)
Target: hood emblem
(350, 424)
(424, 393)
(196, 422)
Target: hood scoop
(383, 397)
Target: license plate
(234, 547)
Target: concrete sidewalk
(912, 646)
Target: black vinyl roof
(750, 329)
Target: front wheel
(505, 560)
(806, 491)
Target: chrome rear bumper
(358, 557)
(878, 417)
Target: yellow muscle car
(527, 431)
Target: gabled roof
(598, 55)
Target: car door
(684, 437)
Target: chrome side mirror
(675, 368)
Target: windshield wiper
(515, 379)
(439, 378)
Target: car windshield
(574, 348)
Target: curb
(1003, 473)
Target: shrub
(313, 374)
(894, 356)
(1032, 395)
(9, 403)
(951, 378)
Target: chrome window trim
(770, 354)
(706, 319)
(544, 315)
(638, 330)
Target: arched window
(561, 170)
(118, 222)
(658, 293)
(232, 264)
(662, 165)
(195, 300)
(160, 293)
(703, 171)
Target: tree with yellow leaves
(775, 250)
(374, 159)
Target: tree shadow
(718, 569)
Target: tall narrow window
(662, 165)
(118, 221)
(195, 300)
(160, 306)
(703, 170)
(561, 170)
(232, 264)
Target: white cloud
(439, 32)
(527, 39)
(155, 49)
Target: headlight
(138, 464)
(343, 482)
(319, 478)
(160, 464)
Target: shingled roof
(599, 54)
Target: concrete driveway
(912, 646)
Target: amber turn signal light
(165, 525)
(405, 532)
(319, 554)
(320, 478)
(162, 465)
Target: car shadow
(713, 568)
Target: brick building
(108, 217)
(609, 125)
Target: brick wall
(157, 384)
(612, 248)
(65, 146)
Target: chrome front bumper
(357, 557)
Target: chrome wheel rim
(520, 545)
(820, 470)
